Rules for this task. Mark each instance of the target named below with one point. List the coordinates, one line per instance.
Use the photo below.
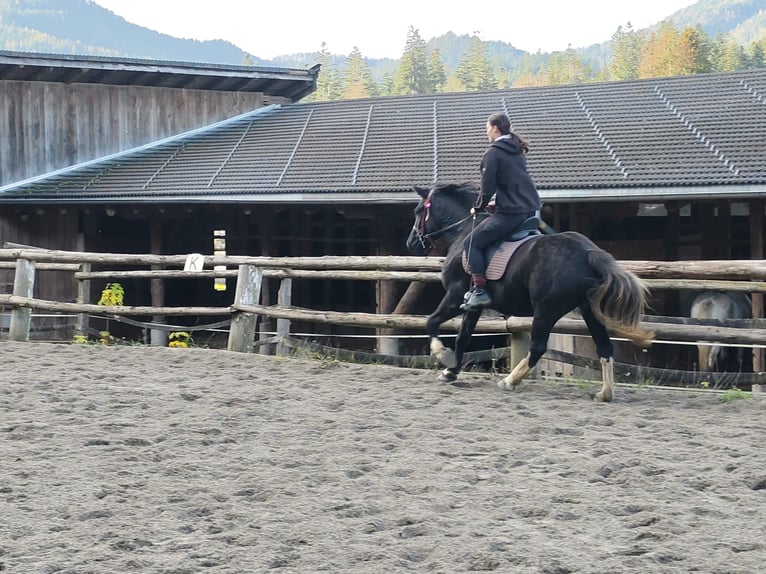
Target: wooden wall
(47, 126)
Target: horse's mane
(466, 187)
(459, 198)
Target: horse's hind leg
(605, 351)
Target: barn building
(662, 169)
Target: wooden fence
(745, 275)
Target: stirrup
(475, 300)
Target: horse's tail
(620, 299)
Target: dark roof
(30, 67)
(676, 137)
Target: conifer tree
(693, 51)
(329, 83)
(725, 55)
(627, 45)
(757, 54)
(437, 77)
(475, 70)
(412, 75)
(565, 68)
(357, 78)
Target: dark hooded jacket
(504, 175)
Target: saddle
(499, 254)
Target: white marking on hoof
(447, 376)
(517, 375)
(444, 355)
(606, 394)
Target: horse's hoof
(601, 397)
(507, 385)
(447, 376)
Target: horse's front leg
(448, 308)
(467, 327)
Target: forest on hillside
(634, 54)
(707, 36)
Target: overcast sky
(272, 29)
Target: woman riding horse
(505, 179)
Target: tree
(437, 77)
(357, 78)
(725, 55)
(329, 85)
(627, 46)
(565, 68)
(694, 49)
(475, 70)
(672, 53)
(411, 76)
(757, 54)
(657, 58)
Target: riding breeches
(489, 231)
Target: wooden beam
(248, 292)
(757, 251)
(23, 286)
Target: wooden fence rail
(748, 275)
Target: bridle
(419, 227)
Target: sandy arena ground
(180, 461)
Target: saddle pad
(500, 255)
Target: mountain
(744, 21)
(83, 27)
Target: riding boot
(478, 297)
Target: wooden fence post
(83, 296)
(284, 298)
(23, 286)
(248, 292)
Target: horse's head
(439, 212)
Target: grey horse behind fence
(721, 305)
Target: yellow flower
(179, 339)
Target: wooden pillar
(671, 245)
(248, 292)
(23, 286)
(158, 338)
(757, 251)
(672, 236)
(266, 219)
(285, 299)
(83, 297)
(723, 223)
(708, 231)
(387, 300)
(386, 291)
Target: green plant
(180, 339)
(734, 394)
(645, 382)
(105, 338)
(80, 340)
(112, 295)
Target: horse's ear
(422, 191)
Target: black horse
(548, 277)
